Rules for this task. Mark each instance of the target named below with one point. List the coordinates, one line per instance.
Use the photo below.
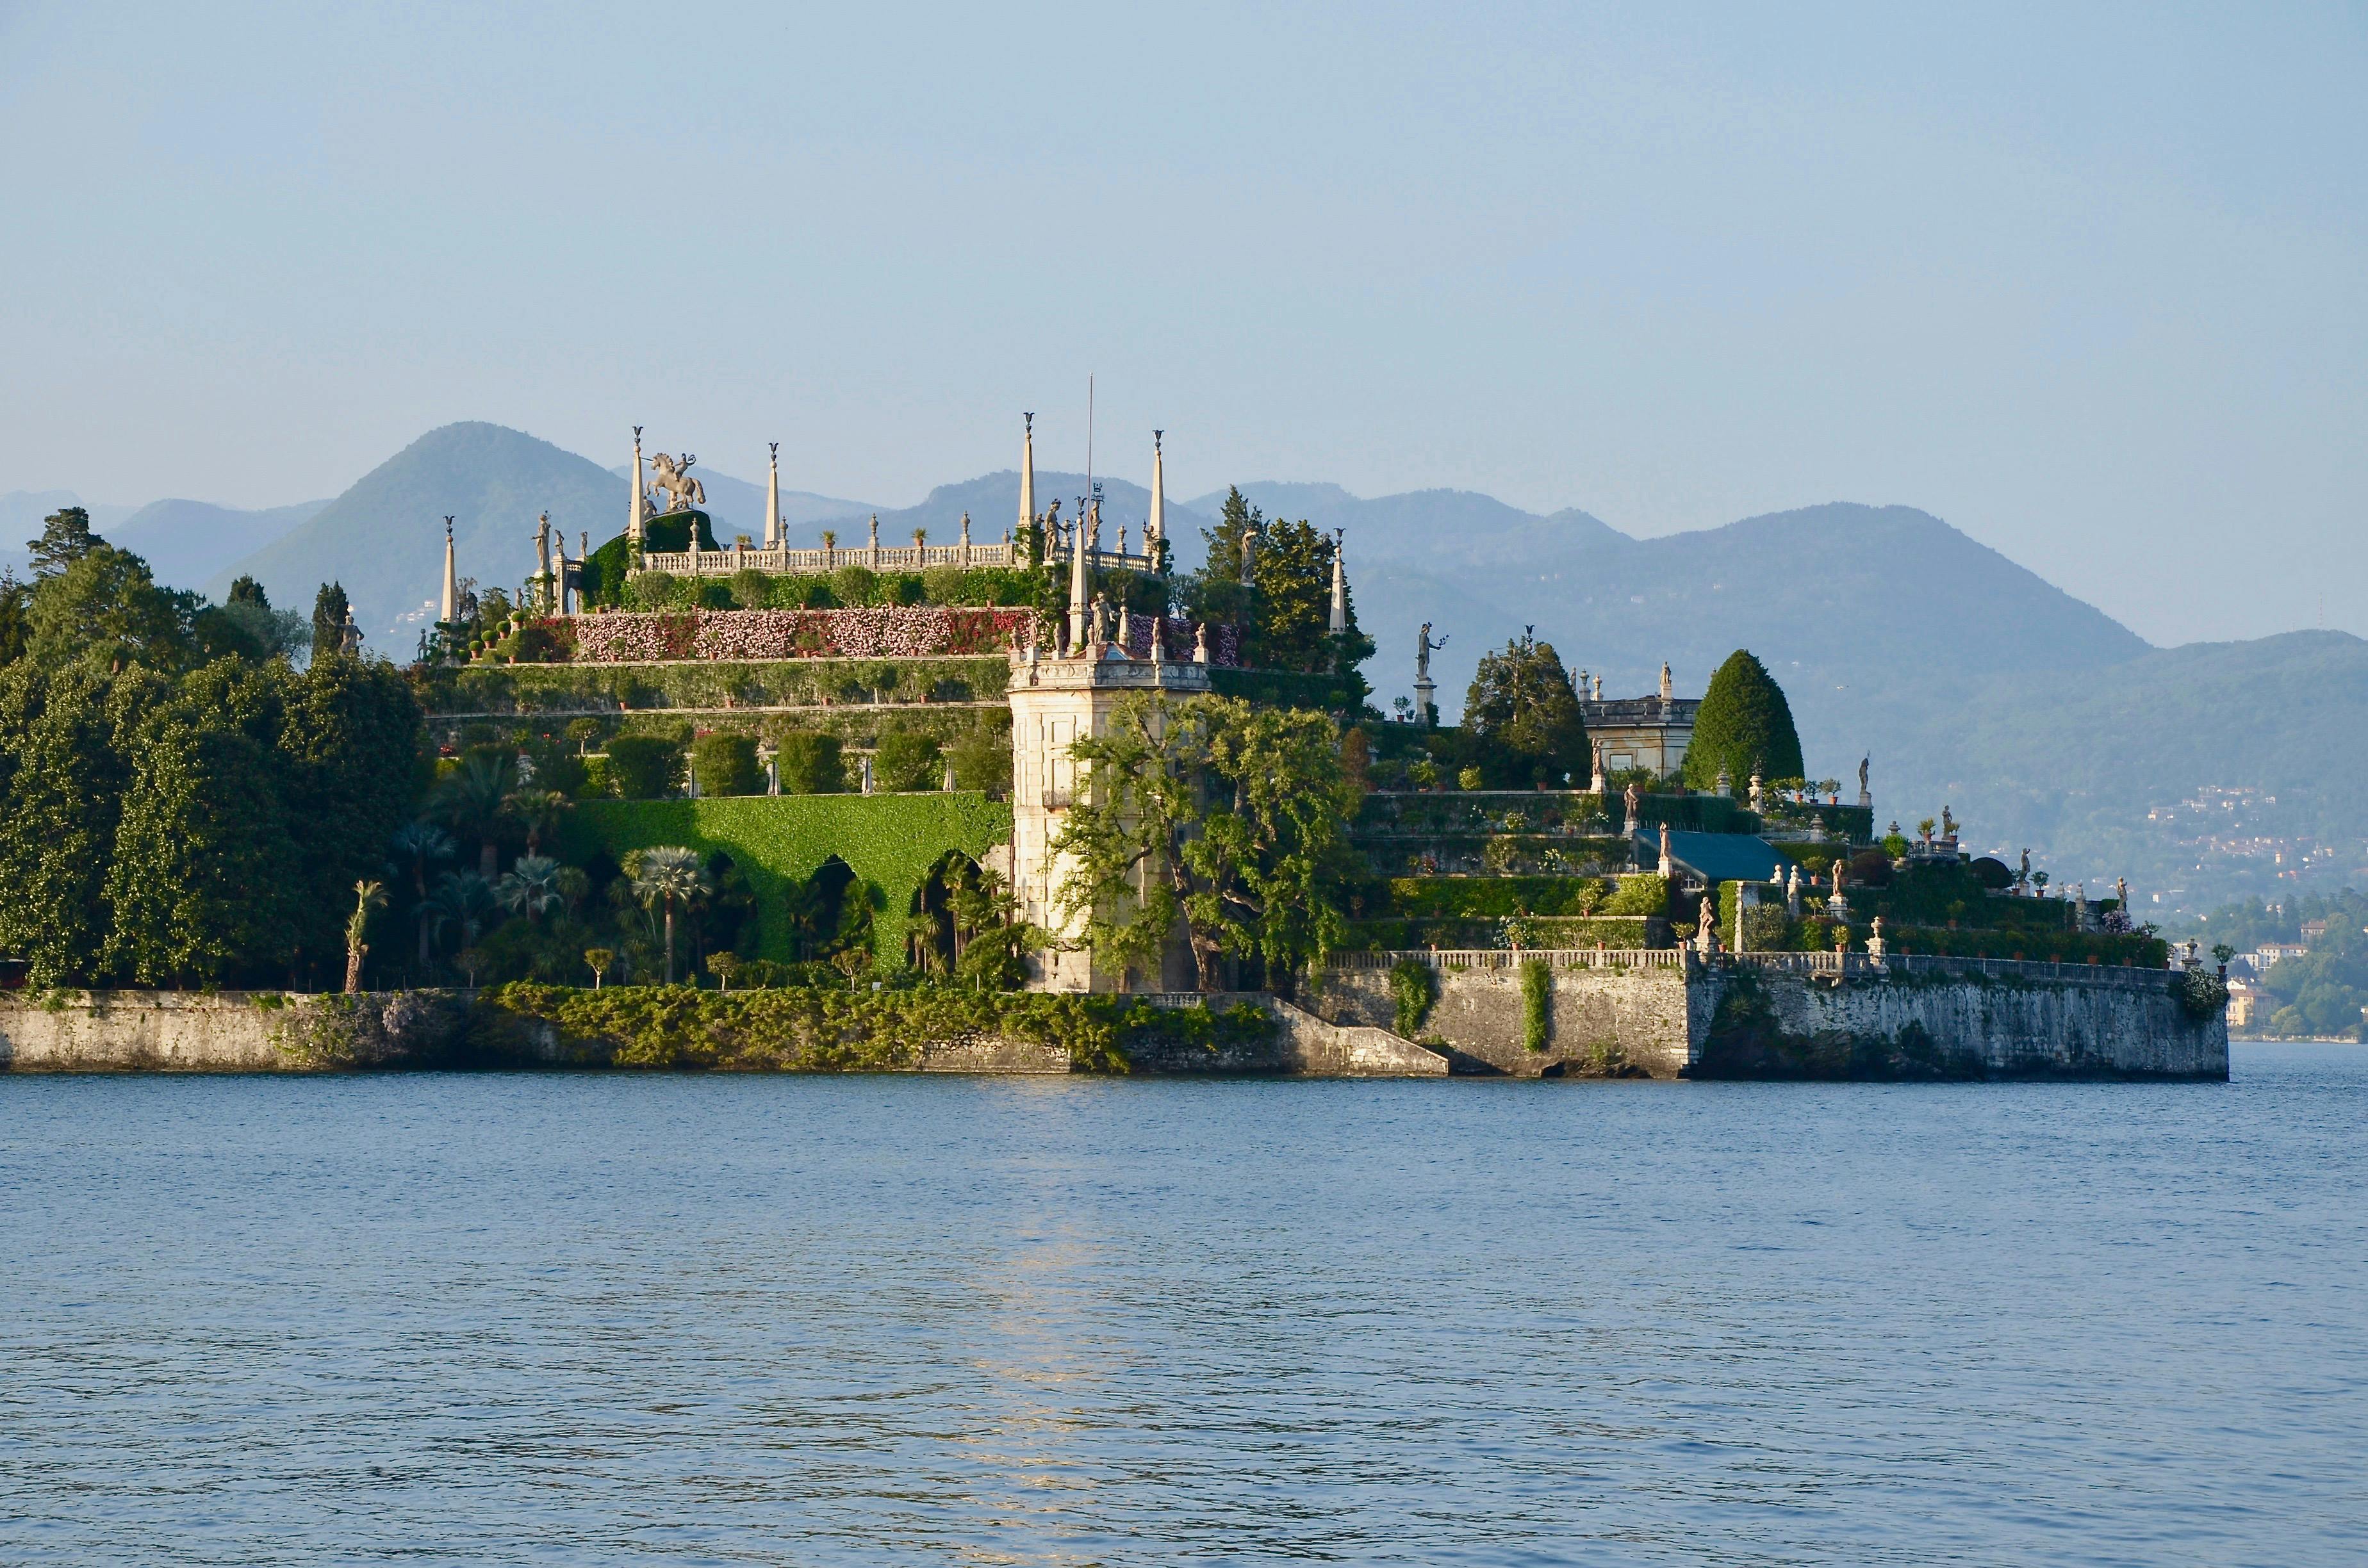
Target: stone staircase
(1312, 1045)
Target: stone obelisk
(448, 610)
(1155, 529)
(1339, 583)
(1026, 470)
(773, 501)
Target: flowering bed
(895, 632)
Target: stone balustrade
(875, 558)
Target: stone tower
(1055, 701)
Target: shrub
(1870, 868)
(751, 589)
(1414, 988)
(907, 760)
(727, 765)
(981, 760)
(946, 585)
(812, 765)
(1644, 894)
(854, 585)
(644, 768)
(1744, 723)
(653, 590)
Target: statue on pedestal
(1633, 798)
(1667, 866)
(1601, 782)
(1865, 799)
(674, 480)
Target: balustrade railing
(1860, 965)
(784, 561)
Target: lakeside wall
(1655, 1019)
(1662, 1014)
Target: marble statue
(674, 478)
(1948, 825)
(1424, 648)
(1201, 642)
(1865, 800)
(1634, 798)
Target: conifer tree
(1523, 719)
(1744, 724)
(329, 610)
(65, 539)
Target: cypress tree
(329, 620)
(1744, 723)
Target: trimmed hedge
(890, 842)
(1287, 689)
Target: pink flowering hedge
(908, 632)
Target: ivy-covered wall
(890, 842)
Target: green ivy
(1414, 988)
(528, 691)
(826, 1030)
(1537, 999)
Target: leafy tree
(1522, 717)
(349, 742)
(475, 803)
(205, 881)
(246, 590)
(669, 875)
(15, 599)
(329, 612)
(64, 780)
(1743, 725)
(599, 960)
(103, 605)
(65, 539)
(1210, 813)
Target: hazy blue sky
(2090, 283)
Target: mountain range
(1968, 680)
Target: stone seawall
(1779, 1019)
(1605, 1022)
(224, 1031)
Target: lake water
(596, 1319)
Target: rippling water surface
(592, 1319)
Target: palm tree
(540, 810)
(600, 959)
(366, 897)
(475, 803)
(532, 886)
(670, 874)
(461, 898)
(420, 842)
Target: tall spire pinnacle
(773, 502)
(1027, 470)
(1339, 583)
(1156, 528)
(1080, 571)
(448, 610)
(633, 519)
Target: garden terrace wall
(890, 842)
(904, 632)
(1621, 931)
